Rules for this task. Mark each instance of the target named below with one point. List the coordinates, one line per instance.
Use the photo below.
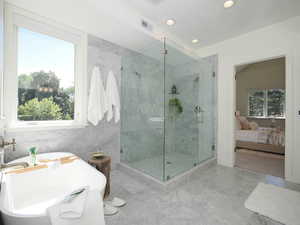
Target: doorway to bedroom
(260, 117)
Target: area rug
(277, 203)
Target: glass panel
(206, 114)
(189, 112)
(276, 102)
(142, 123)
(256, 103)
(181, 134)
(45, 77)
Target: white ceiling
(119, 21)
(208, 21)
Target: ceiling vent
(146, 25)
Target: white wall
(280, 39)
(296, 103)
(1, 56)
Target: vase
(33, 159)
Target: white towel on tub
(73, 208)
(92, 213)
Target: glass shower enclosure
(167, 112)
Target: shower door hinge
(165, 52)
(213, 147)
(214, 74)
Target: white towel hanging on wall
(97, 106)
(113, 98)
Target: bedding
(262, 135)
(250, 136)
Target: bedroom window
(275, 103)
(269, 103)
(256, 103)
(45, 76)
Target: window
(256, 103)
(266, 103)
(45, 77)
(45, 80)
(275, 103)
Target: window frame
(16, 17)
(265, 109)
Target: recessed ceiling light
(228, 4)
(195, 41)
(170, 22)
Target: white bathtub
(25, 197)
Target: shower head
(196, 79)
(138, 74)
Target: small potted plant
(32, 153)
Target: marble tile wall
(196, 87)
(142, 98)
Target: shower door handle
(199, 114)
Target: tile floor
(213, 196)
(177, 164)
(260, 162)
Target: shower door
(207, 104)
(189, 112)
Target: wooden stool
(104, 166)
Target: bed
(262, 139)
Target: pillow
(244, 123)
(237, 124)
(253, 125)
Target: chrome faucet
(3, 145)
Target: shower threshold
(176, 163)
(173, 181)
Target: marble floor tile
(213, 196)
